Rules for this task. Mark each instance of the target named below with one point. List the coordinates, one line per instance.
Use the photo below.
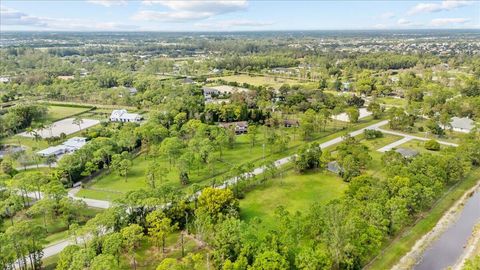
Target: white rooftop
(123, 114)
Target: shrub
(432, 145)
(371, 134)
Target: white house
(124, 116)
(71, 145)
(463, 124)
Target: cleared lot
(344, 117)
(63, 126)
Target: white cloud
(12, 17)
(108, 3)
(404, 22)
(387, 15)
(448, 21)
(225, 25)
(436, 7)
(182, 16)
(188, 10)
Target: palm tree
(78, 121)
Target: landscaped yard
(419, 146)
(296, 192)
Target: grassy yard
(110, 186)
(398, 247)
(296, 192)
(419, 146)
(258, 80)
(60, 112)
(392, 102)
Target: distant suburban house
(463, 124)
(124, 116)
(240, 127)
(290, 123)
(407, 153)
(209, 91)
(188, 81)
(71, 145)
(4, 79)
(66, 77)
(334, 167)
(132, 90)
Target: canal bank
(425, 253)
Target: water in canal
(446, 249)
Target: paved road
(394, 144)
(53, 165)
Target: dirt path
(409, 260)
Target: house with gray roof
(334, 167)
(406, 152)
(461, 124)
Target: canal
(447, 248)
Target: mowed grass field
(258, 80)
(59, 112)
(295, 192)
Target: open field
(296, 192)
(258, 80)
(344, 117)
(391, 101)
(63, 126)
(60, 112)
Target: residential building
(463, 124)
(71, 145)
(406, 152)
(124, 116)
(240, 127)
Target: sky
(235, 15)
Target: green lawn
(110, 186)
(60, 112)
(296, 192)
(390, 101)
(258, 80)
(419, 146)
(398, 247)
